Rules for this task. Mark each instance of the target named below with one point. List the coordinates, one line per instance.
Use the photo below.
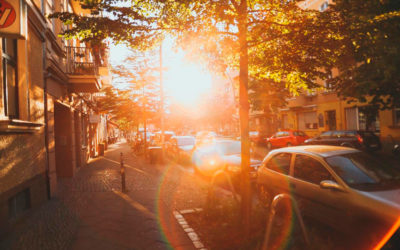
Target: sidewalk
(92, 213)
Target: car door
(274, 140)
(285, 139)
(324, 205)
(325, 138)
(274, 173)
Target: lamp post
(162, 106)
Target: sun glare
(185, 82)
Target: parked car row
(364, 140)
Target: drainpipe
(46, 127)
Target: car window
(278, 134)
(350, 133)
(285, 133)
(299, 133)
(338, 134)
(280, 163)
(362, 171)
(326, 134)
(310, 170)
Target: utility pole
(162, 105)
(144, 120)
(244, 107)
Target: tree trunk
(244, 119)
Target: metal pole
(123, 188)
(162, 106)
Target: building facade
(48, 128)
(321, 110)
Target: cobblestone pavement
(90, 212)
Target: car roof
(319, 150)
(184, 136)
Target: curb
(186, 227)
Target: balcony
(83, 69)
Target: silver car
(338, 186)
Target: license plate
(373, 145)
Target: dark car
(180, 148)
(364, 140)
(222, 154)
(345, 188)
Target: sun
(186, 82)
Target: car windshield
(185, 141)
(363, 172)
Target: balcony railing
(82, 61)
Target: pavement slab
(91, 212)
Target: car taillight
(360, 139)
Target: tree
(368, 55)
(226, 31)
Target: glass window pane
(280, 163)
(12, 92)
(310, 170)
(10, 47)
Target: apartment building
(321, 110)
(49, 126)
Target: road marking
(193, 236)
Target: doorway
(63, 140)
(331, 119)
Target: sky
(184, 81)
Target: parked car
(286, 138)
(342, 187)
(204, 137)
(181, 148)
(364, 140)
(258, 138)
(222, 154)
(167, 137)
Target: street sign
(13, 21)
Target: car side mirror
(331, 185)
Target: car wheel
(264, 195)
(269, 146)
(289, 144)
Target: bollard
(273, 209)
(123, 189)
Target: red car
(286, 138)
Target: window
(10, 83)
(339, 134)
(50, 10)
(396, 117)
(326, 135)
(308, 120)
(280, 163)
(285, 121)
(19, 203)
(362, 118)
(310, 170)
(299, 133)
